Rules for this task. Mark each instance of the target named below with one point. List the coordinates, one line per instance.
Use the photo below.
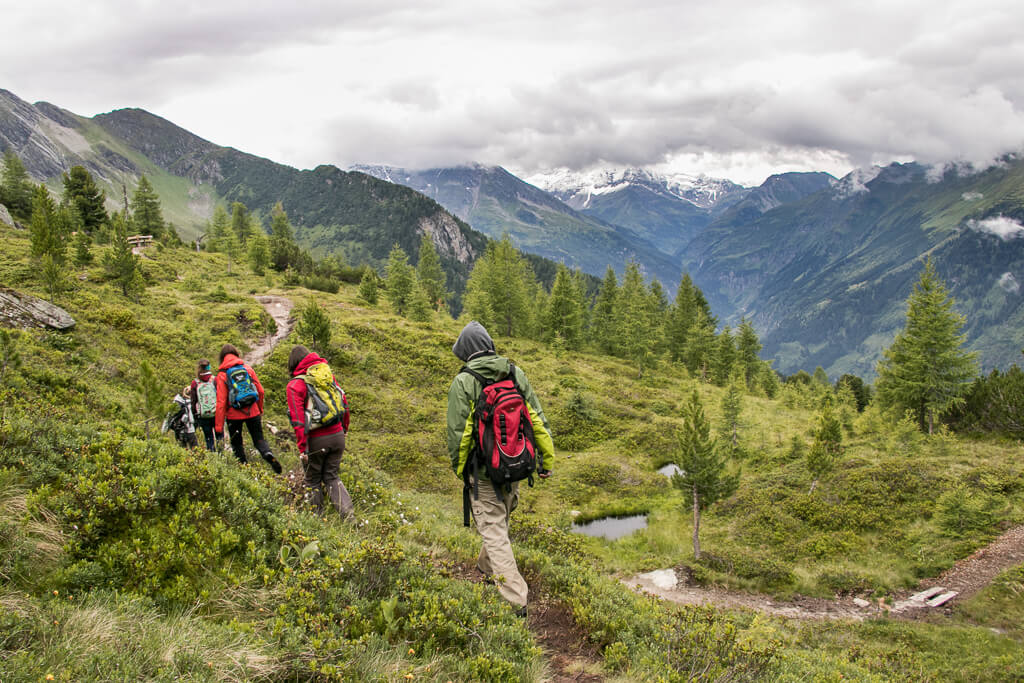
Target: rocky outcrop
(449, 239)
(5, 216)
(25, 311)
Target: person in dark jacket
(248, 417)
(204, 377)
(492, 510)
(321, 449)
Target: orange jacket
(224, 409)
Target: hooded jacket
(225, 411)
(476, 348)
(297, 394)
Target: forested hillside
(123, 555)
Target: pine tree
(680, 318)
(732, 406)
(502, 290)
(747, 348)
(633, 318)
(121, 265)
(259, 253)
(16, 187)
(368, 286)
(431, 276)
(583, 302)
(315, 327)
(241, 222)
(700, 346)
(401, 277)
(603, 323)
(704, 478)
(147, 216)
(10, 356)
(820, 377)
(80, 191)
(283, 249)
(827, 447)
(926, 369)
(724, 358)
(419, 305)
(217, 229)
(44, 228)
(563, 316)
(54, 275)
(83, 248)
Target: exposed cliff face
(448, 237)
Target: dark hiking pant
(206, 424)
(322, 473)
(255, 427)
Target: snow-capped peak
(578, 187)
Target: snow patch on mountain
(578, 187)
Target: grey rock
(24, 310)
(5, 215)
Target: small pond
(670, 469)
(611, 528)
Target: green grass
(182, 552)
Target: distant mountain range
(823, 266)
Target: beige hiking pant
(496, 558)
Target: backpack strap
(477, 376)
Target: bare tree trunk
(931, 422)
(814, 485)
(696, 524)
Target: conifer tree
(747, 348)
(700, 346)
(217, 229)
(283, 249)
(820, 377)
(16, 187)
(44, 228)
(147, 216)
(259, 253)
(732, 406)
(926, 370)
(704, 477)
(563, 316)
(827, 447)
(583, 302)
(315, 327)
(633, 318)
(230, 247)
(680, 318)
(724, 358)
(151, 393)
(81, 192)
(419, 305)
(241, 222)
(121, 265)
(401, 278)
(502, 290)
(83, 248)
(603, 319)
(431, 276)
(368, 286)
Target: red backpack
(503, 441)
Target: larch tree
(563, 315)
(241, 222)
(502, 290)
(681, 315)
(827, 447)
(431, 276)
(368, 286)
(723, 360)
(45, 228)
(315, 327)
(16, 187)
(603, 318)
(705, 476)
(401, 278)
(748, 346)
(732, 407)
(633, 318)
(700, 346)
(283, 249)
(927, 370)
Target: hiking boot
(521, 612)
(485, 577)
(274, 464)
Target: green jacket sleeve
(460, 426)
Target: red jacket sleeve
(222, 402)
(296, 393)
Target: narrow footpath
(280, 309)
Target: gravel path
(280, 309)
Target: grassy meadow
(123, 558)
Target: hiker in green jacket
(491, 503)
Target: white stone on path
(662, 578)
(861, 602)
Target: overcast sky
(730, 88)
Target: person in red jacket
(236, 418)
(321, 449)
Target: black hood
(473, 341)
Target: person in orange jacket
(240, 403)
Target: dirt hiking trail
(962, 580)
(280, 309)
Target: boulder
(5, 215)
(23, 310)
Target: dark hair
(202, 366)
(295, 357)
(227, 349)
